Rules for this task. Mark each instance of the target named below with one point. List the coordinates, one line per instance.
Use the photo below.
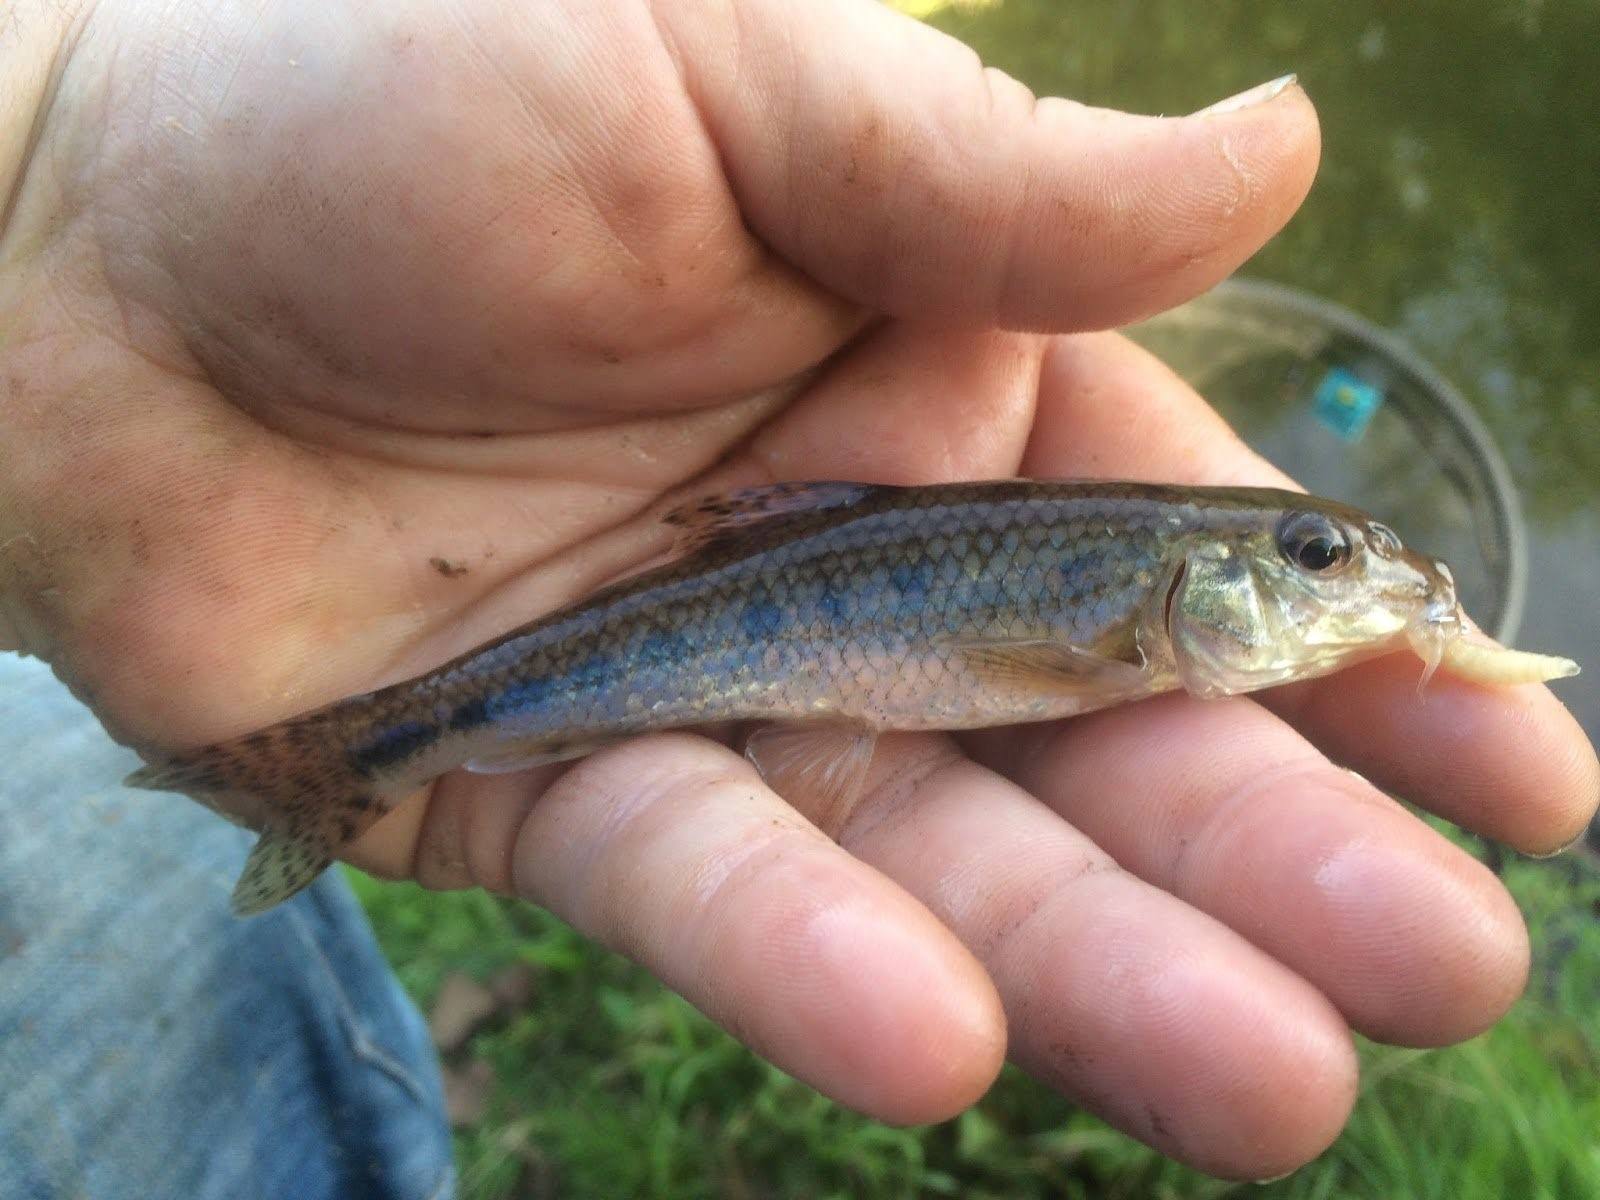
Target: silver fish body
(923, 608)
(842, 609)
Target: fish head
(1298, 591)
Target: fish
(830, 612)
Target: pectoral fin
(819, 767)
(1054, 668)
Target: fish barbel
(833, 611)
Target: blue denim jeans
(151, 1044)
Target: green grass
(607, 1085)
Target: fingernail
(1580, 836)
(1256, 95)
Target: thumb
(882, 158)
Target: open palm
(338, 342)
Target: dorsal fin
(711, 519)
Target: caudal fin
(297, 783)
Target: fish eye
(1384, 540)
(1313, 542)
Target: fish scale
(839, 610)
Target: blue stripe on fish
(661, 649)
(834, 602)
(469, 715)
(595, 671)
(392, 745)
(761, 619)
(911, 579)
(521, 697)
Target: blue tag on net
(1346, 403)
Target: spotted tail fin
(297, 783)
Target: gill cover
(1226, 632)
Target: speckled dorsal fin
(712, 519)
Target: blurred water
(1458, 205)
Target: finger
(910, 404)
(1161, 1020)
(880, 157)
(670, 850)
(1511, 763)
(1108, 409)
(457, 833)
(1229, 809)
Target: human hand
(338, 343)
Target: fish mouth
(1436, 625)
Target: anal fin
(818, 767)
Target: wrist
(35, 38)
